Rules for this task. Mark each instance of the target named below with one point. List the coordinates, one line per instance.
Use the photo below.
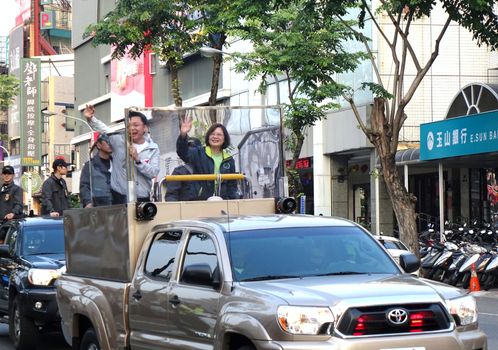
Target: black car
(31, 259)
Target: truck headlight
(305, 320)
(463, 309)
(44, 277)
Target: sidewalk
(493, 293)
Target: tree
(9, 88)
(297, 43)
(388, 114)
(171, 29)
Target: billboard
(16, 52)
(47, 20)
(462, 136)
(127, 85)
(30, 112)
(23, 13)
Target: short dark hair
(59, 162)
(211, 129)
(142, 116)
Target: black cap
(7, 169)
(59, 162)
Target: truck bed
(98, 300)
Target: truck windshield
(305, 251)
(43, 240)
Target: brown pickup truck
(244, 278)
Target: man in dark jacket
(10, 196)
(55, 196)
(184, 190)
(95, 180)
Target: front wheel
(22, 331)
(89, 340)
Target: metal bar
(204, 177)
(441, 202)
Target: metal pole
(406, 176)
(30, 184)
(441, 202)
(377, 203)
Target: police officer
(11, 206)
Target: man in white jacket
(143, 151)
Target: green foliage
(74, 201)
(135, 25)
(295, 41)
(9, 88)
(377, 90)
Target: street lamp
(207, 51)
(8, 155)
(49, 114)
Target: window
(200, 254)
(305, 251)
(162, 253)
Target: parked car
(393, 245)
(31, 258)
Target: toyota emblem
(397, 317)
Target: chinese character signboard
(30, 112)
(461, 136)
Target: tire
(90, 340)
(489, 282)
(466, 280)
(22, 331)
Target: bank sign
(460, 136)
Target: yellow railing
(204, 177)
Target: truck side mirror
(199, 274)
(409, 262)
(4, 251)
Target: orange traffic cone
(474, 281)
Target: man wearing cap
(11, 206)
(55, 196)
(95, 185)
(143, 151)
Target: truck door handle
(137, 295)
(174, 300)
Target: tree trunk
(295, 186)
(175, 84)
(403, 205)
(381, 136)
(215, 78)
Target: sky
(7, 15)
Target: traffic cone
(474, 281)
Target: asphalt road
(488, 319)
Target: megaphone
(146, 211)
(285, 205)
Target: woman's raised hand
(185, 125)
